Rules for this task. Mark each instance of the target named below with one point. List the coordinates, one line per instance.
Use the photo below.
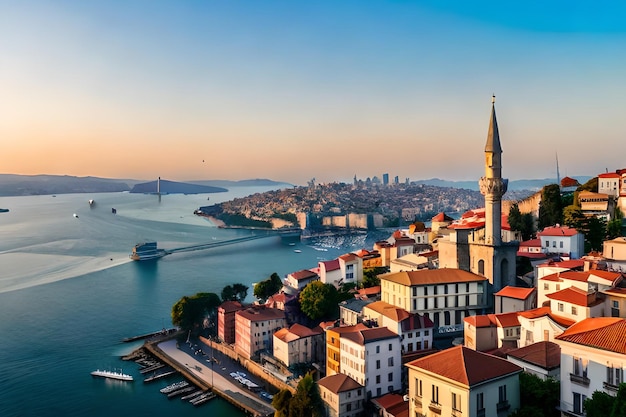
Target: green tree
(528, 226)
(542, 394)
(235, 292)
(594, 230)
(265, 289)
(524, 223)
(306, 402)
(614, 226)
(550, 209)
(573, 216)
(188, 312)
(515, 218)
(319, 300)
(619, 405)
(281, 403)
(370, 276)
(599, 404)
(591, 185)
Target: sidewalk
(201, 368)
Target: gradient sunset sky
(291, 90)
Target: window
(418, 387)
(377, 364)
(614, 376)
(579, 400)
(560, 307)
(377, 349)
(554, 244)
(615, 309)
(409, 347)
(390, 347)
(390, 377)
(456, 401)
(502, 393)
(579, 368)
(561, 245)
(378, 379)
(390, 361)
(547, 243)
(546, 286)
(480, 402)
(574, 310)
(435, 394)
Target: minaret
(492, 186)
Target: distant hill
(172, 187)
(21, 185)
(259, 182)
(533, 185)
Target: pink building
(255, 327)
(226, 321)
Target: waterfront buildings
(226, 321)
(255, 327)
(299, 344)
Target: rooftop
(339, 383)
(544, 354)
(431, 276)
(606, 333)
(518, 293)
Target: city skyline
(299, 90)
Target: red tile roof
(484, 320)
(261, 314)
(330, 265)
(546, 312)
(518, 293)
(571, 264)
(370, 290)
(579, 276)
(544, 354)
(507, 319)
(569, 182)
(362, 337)
(303, 274)
(388, 400)
(348, 257)
(230, 306)
(606, 333)
(465, 365)
(339, 383)
(431, 276)
(442, 217)
(574, 296)
(558, 231)
(534, 243)
(296, 331)
(609, 175)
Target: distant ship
(147, 251)
(4, 210)
(112, 375)
(91, 202)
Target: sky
(295, 90)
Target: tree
(540, 394)
(614, 226)
(619, 404)
(599, 404)
(594, 230)
(573, 216)
(523, 223)
(188, 312)
(235, 292)
(281, 403)
(319, 300)
(370, 276)
(265, 289)
(306, 402)
(550, 208)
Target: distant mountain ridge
(173, 187)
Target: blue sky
(292, 90)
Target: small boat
(297, 251)
(147, 251)
(91, 202)
(4, 210)
(112, 375)
(76, 215)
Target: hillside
(21, 185)
(172, 187)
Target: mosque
(481, 241)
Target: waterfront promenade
(196, 368)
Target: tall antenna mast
(558, 176)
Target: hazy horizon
(300, 90)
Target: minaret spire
(492, 186)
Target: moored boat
(112, 375)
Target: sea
(69, 293)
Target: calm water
(68, 294)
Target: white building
(562, 240)
(593, 357)
(342, 396)
(539, 325)
(299, 344)
(463, 382)
(372, 358)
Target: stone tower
(492, 185)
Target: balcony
(417, 401)
(611, 388)
(579, 379)
(503, 405)
(435, 407)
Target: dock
(163, 332)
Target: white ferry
(113, 375)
